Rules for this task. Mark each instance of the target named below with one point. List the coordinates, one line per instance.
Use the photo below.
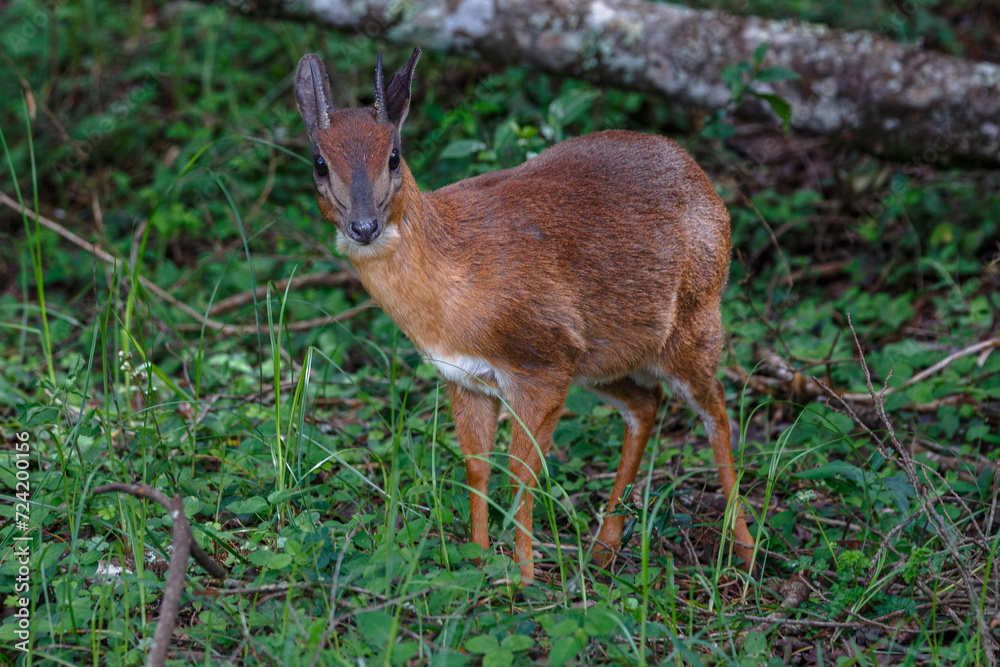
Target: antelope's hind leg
(708, 400)
(688, 364)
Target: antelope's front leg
(537, 409)
(475, 415)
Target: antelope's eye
(394, 160)
(320, 164)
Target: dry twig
(806, 387)
(206, 321)
(183, 546)
(924, 493)
(324, 279)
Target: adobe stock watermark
(118, 111)
(897, 187)
(18, 40)
(20, 554)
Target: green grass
(318, 464)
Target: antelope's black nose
(364, 231)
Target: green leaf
(498, 658)
(517, 642)
(581, 402)
(901, 491)
(453, 659)
(251, 505)
(600, 621)
(780, 106)
(564, 650)
(564, 627)
(32, 415)
(769, 74)
(921, 392)
(279, 561)
(462, 148)
(265, 557)
(828, 470)
(191, 506)
(527, 132)
(403, 652)
(470, 551)
(896, 401)
(733, 76)
(90, 427)
(505, 135)
(571, 105)
(755, 644)
(716, 126)
(374, 626)
(759, 53)
(482, 644)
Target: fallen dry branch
(108, 258)
(983, 348)
(183, 546)
(324, 279)
(301, 325)
(794, 593)
(224, 305)
(801, 387)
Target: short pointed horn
(380, 112)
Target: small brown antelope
(600, 262)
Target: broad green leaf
(501, 657)
(780, 106)
(828, 470)
(251, 505)
(600, 621)
(769, 74)
(759, 53)
(564, 627)
(374, 626)
(470, 550)
(505, 135)
(462, 148)
(32, 415)
(564, 650)
(268, 558)
(517, 642)
(482, 644)
(571, 105)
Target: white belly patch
(465, 371)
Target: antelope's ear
(312, 94)
(397, 96)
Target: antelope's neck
(409, 280)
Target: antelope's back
(598, 234)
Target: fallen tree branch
(883, 97)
